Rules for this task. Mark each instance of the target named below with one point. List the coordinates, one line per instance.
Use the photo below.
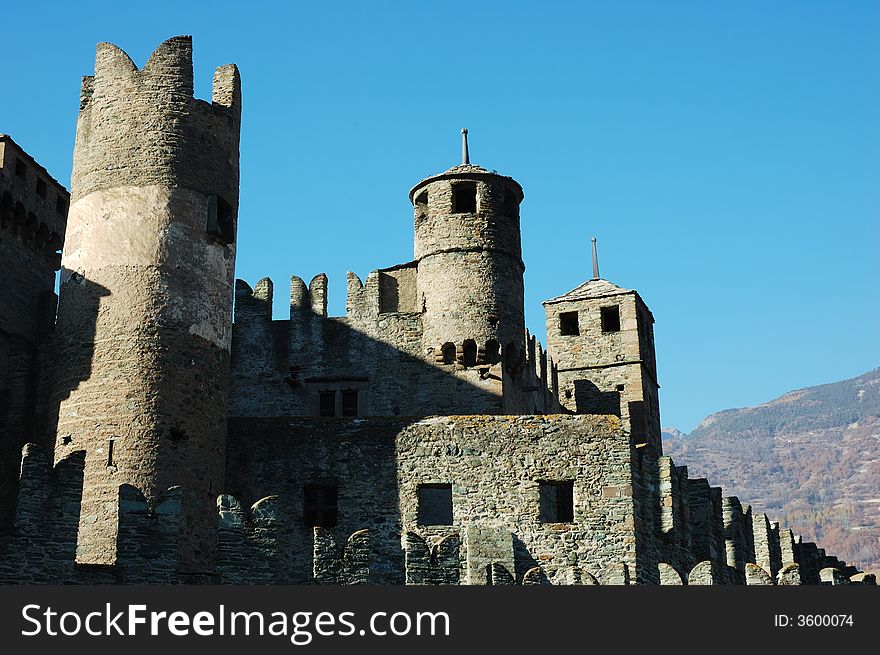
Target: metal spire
(595, 261)
(465, 156)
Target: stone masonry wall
(493, 464)
(279, 368)
(33, 214)
(142, 340)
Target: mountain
(672, 433)
(809, 459)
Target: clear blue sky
(726, 155)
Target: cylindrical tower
(470, 268)
(145, 312)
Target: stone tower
(602, 339)
(470, 268)
(145, 310)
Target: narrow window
(422, 199)
(319, 505)
(220, 224)
(350, 402)
(448, 351)
(20, 169)
(61, 205)
(610, 319)
(493, 351)
(469, 353)
(511, 206)
(41, 187)
(110, 452)
(435, 504)
(327, 403)
(568, 324)
(556, 502)
(464, 198)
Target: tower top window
(610, 319)
(464, 198)
(568, 324)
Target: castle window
(556, 501)
(221, 223)
(435, 504)
(422, 199)
(510, 204)
(61, 206)
(349, 402)
(20, 169)
(327, 403)
(320, 505)
(110, 452)
(610, 319)
(41, 187)
(469, 353)
(568, 324)
(464, 198)
(493, 351)
(448, 350)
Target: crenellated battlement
(169, 137)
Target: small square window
(556, 502)
(350, 402)
(20, 169)
(464, 198)
(435, 504)
(319, 505)
(327, 403)
(610, 319)
(568, 324)
(41, 187)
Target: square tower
(601, 338)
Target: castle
(150, 434)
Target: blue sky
(726, 155)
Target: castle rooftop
(465, 170)
(595, 288)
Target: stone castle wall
(280, 367)
(33, 213)
(494, 466)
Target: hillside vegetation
(809, 459)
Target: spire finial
(465, 156)
(595, 260)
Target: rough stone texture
(738, 539)
(494, 465)
(790, 574)
(668, 575)
(767, 550)
(707, 526)
(142, 342)
(33, 214)
(756, 575)
(463, 291)
(832, 576)
(432, 564)
(603, 371)
(706, 573)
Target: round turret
(145, 314)
(470, 269)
